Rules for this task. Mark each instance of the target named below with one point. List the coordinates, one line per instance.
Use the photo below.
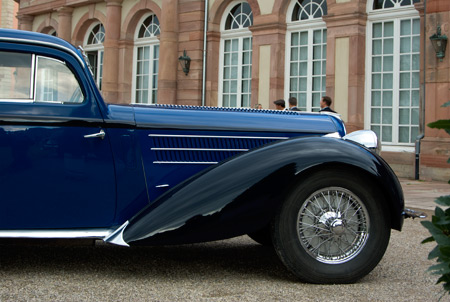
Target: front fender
(242, 194)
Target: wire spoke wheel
(333, 225)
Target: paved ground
(229, 270)
(421, 194)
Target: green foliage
(439, 226)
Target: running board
(58, 234)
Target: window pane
(294, 53)
(387, 98)
(377, 30)
(387, 115)
(415, 98)
(376, 98)
(388, 46)
(415, 116)
(376, 64)
(416, 27)
(376, 116)
(303, 53)
(405, 80)
(388, 63)
(405, 45)
(317, 36)
(405, 27)
(404, 116)
(386, 134)
(416, 44)
(294, 69)
(55, 82)
(415, 62)
(403, 133)
(15, 75)
(404, 98)
(387, 81)
(415, 81)
(303, 69)
(293, 84)
(376, 47)
(405, 62)
(376, 81)
(388, 29)
(295, 38)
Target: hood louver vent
(187, 107)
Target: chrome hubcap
(333, 225)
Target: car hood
(225, 119)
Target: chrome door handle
(101, 135)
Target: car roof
(29, 37)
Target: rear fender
(242, 194)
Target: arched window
(383, 4)
(93, 46)
(146, 61)
(236, 56)
(306, 53)
(393, 72)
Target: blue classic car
(74, 167)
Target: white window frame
(100, 53)
(301, 26)
(150, 42)
(239, 34)
(396, 15)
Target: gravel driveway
(230, 270)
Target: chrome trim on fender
(196, 149)
(117, 236)
(217, 136)
(187, 162)
(61, 234)
(333, 135)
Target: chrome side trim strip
(117, 236)
(216, 136)
(62, 233)
(196, 149)
(187, 162)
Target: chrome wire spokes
(333, 225)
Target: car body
(75, 167)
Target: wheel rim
(333, 225)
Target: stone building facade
(373, 57)
(8, 11)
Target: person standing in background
(280, 105)
(325, 104)
(293, 104)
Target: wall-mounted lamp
(185, 62)
(439, 43)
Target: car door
(56, 167)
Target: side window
(31, 78)
(15, 76)
(55, 82)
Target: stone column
(346, 54)
(268, 60)
(435, 146)
(111, 51)
(168, 54)
(64, 30)
(25, 22)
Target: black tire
(263, 236)
(332, 228)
